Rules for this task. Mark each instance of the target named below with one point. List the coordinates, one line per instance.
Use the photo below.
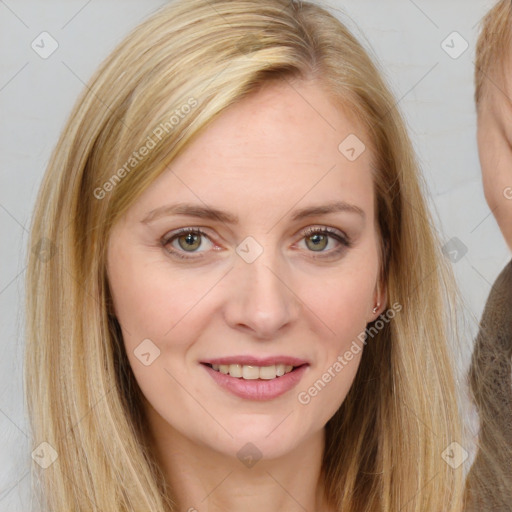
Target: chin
(270, 438)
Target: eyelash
(342, 239)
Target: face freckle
(250, 284)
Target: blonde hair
(493, 47)
(384, 445)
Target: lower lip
(258, 389)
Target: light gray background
(435, 93)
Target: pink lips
(257, 389)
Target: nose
(262, 300)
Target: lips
(256, 378)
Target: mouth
(256, 378)
(253, 372)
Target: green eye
(190, 241)
(317, 239)
(318, 242)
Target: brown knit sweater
(489, 483)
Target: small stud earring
(376, 307)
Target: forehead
(292, 123)
(282, 145)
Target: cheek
(344, 300)
(161, 312)
(153, 307)
(342, 305)
(151, 301)
(344, 312)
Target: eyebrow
(205, 212)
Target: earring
(376, 307)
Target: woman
(245, 280)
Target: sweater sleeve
(489, 483)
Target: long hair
(162, 86)
(493, 47)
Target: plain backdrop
(413, 42)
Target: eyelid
(172, 235)
(311, 230)
(341, 237)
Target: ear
(379, 301)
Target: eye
(317, 239)
(184, 240)
(189, 240)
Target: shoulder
(501, 291)
(506, 276)
(497, 316)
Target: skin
(494, 135)
(262, 159)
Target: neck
(205, 480)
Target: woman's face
(211, 320)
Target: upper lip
(257, 361)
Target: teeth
(250, 372)
(235, 370)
